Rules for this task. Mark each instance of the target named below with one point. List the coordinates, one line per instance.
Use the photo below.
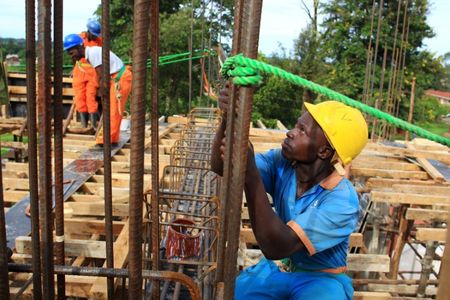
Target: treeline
(346, 47)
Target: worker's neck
(309, 175)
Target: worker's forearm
(276, 239)
(216, 159)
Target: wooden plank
(378, 164)
(431, 234)
(358, 295)
(427, 166)
(417, 189)
(409, 198)
(99, 287)
(443, 156)
(83, 226)
(94, 209)
(432, 215)
(16, 184)
(22, 90)
(401, 289)
(14, 196)
(387, 173)
(388, 182)
(72, 247)
(368, 262)
(11, 75)
(430, 169)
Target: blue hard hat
(72, 40)
(94, 27)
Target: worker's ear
(325, 152)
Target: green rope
(163, 60)
(238, 67)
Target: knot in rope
(242, 73)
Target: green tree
(347, 31)
(209, 19)
(277, 98)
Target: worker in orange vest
(92, 37)
(85, 82)
(120, 80)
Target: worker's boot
(84, 119)
(93, 120)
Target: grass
(8, 137)
(437, 127)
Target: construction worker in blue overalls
(316, 206)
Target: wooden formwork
(83, 214)
(408, 196)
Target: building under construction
(146, 218)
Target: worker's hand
(222, 148)
(224, 97)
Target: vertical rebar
(411, 105)
(32, 145)
(250, 18)
(154, 16)
(58, 137)
(45, 141)
(4, 280)
(375, 55)
(224, 187)
(190, 43)
(105, 85)
(140, 45)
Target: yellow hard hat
(344, 127)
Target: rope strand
(239, 67)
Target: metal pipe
(105, 85)
(32, 145)
(45, 171)
(140, 45)
(58, 138)
(154, 16)
(4, 280)
(120, 273)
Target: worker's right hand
(224, 97)
(222, 148)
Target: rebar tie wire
(246, 71)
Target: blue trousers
(265, 281)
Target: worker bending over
(316, 207)
(120, 81)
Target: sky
(281, 22)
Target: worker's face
(76, 53)
(304, 142)
(90, 36)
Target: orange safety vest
(89, 43)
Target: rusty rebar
(32, 145)
(251, 18)
(105, 85)
(140, 45)
(120, 273)
(227, 168)
(58, 138)
(154, 16)
(4, 280)
(45, 141)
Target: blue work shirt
(323, 217)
